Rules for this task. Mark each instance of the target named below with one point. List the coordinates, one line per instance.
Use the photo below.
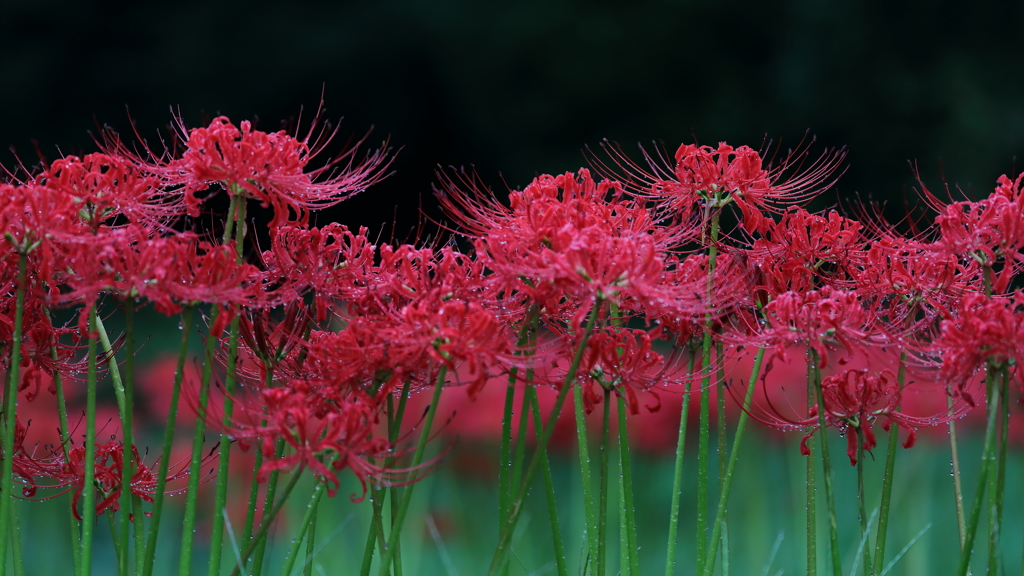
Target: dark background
(519, 88)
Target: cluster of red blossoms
(633, 270)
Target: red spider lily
(331, 261)
(913, 270)
(803, 247)
(854, 400)
(981, 330)
(104, 186)
(268, 167)
(31, 218)
(326, 428)
(68, 472)
(566, 235)
(623, 361)
(271, 343)
(703, 176)
(460, 334)
(40, 339)
(688, 292)
(817, 319)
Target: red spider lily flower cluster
(606, 283)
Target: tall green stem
(588, 488)
(417, 458)
(89, 496)
(307, 521)
(549, 489)
(65, 440)
(505, 541)
(10, 413)
(861, 507)
(165, 453)
(958, 489)
(826, 460)
(677, 478)
(1004, 437)
(722, 450)
(703, 432)
(123, 396)
(217, 534)
(602, 505)
(890, 465)
(261, 537)
(254, 486)
(259, 547)
(394, 428)
(987, 463)
(723, 499)
(627, 487)
(812, 484)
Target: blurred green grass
(452, 525)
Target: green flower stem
(371, 539)
(602, 506)
(311, 542)
(722, 450)
(113, 534)
(703, 431)
(165, 453)
(373, 533)
(89, 492)
(505, 541)
(217, 534)
(65, 439)
(394, 429)
(588, 488)
(417, 458)
(627, 481)
(520, 452)
(890, 465)
(677, 479)
(10, 411)
(861, 507)
(261, 537)
(723, 499)
(254, 487)
(123, 396)
(1001, 480)
(549, 488)
(624, 568)
(505, 457)
(376, 532)
(988, 462)
(826, 460)
(194, 470)
(958, 489)
(16, 555)
(812, 486)
(995, 471)
(307, 521)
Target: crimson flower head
(802, 247)
(623, 361)
(817, 319)
(854, 400)
(271, 167)
(704, 177)
(981, 330)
